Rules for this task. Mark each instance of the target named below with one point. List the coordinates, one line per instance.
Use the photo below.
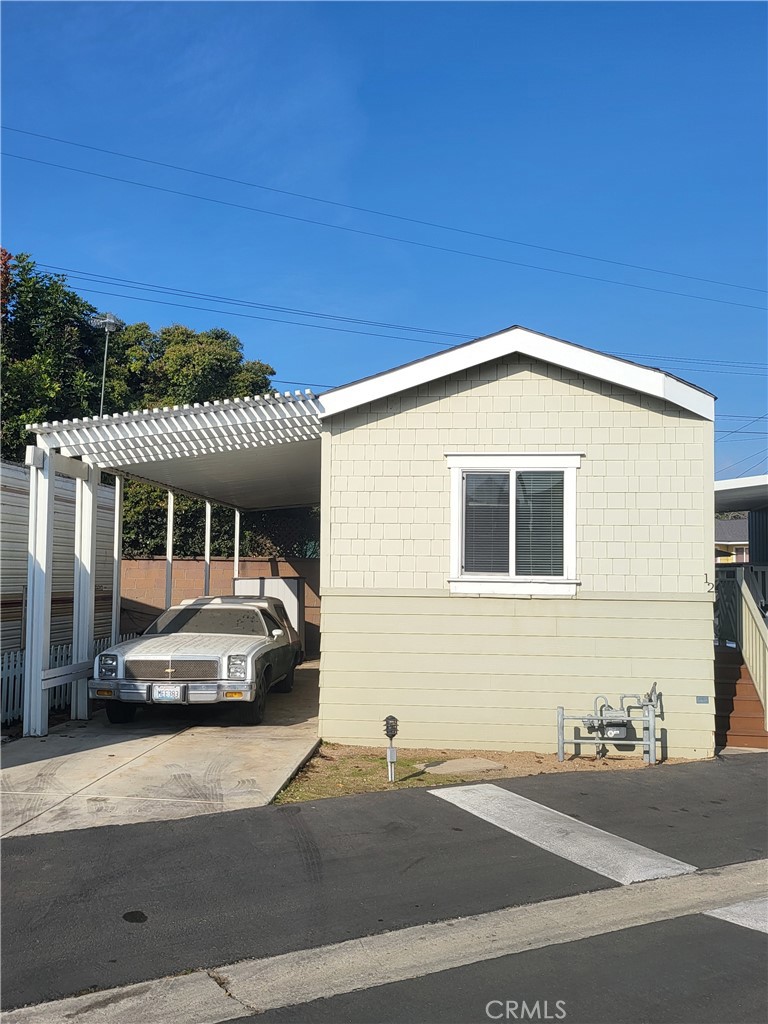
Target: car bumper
(211, 692)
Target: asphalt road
(214, 889)
(692, 970)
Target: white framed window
(513, 524)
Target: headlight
(237, 665)
(107, 666)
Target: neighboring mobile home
(14, 510)
(511, 525)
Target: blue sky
(631, 132)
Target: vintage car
(204, 651)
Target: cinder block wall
(143, 586)
(489, 672)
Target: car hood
(214, 645)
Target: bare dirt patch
(338, 770)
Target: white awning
(250, 453)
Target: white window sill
(501, 587)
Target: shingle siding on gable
(643, 507)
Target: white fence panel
(12, 678)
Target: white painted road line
(601, 852)
(750, 914)
(207, 997)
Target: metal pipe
(561, 734)
(652, 734)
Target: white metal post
(42, 480)
(87, 492)
(236, 570)
(207, 569)
(117, 559)
(169, 553)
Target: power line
(170, 289)
(738, 430)
(184, 292)
(302, 383)
(268, 319)
(753, 466)
(745, 459)
(379, 213)
(343, 330)
(374, 234)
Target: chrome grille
(183, 669)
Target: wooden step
(739, 712)
(727, 724)
(744, 691)
(735, 739)
(742, 704)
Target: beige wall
(489, 672)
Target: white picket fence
(59, 697)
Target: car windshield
(239, 621)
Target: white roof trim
(742, 482)
(538, 346)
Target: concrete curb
(296, 769)
(209, 996)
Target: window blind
(539, 524)
(486, 523)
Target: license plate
(170, 693)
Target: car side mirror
(277, 633)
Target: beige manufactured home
(508, 526)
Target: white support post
(42, 480)
(86, 494)
(236, 569)
(207, 569)
(169, 553)
(117, 559)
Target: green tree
(52, 367)
(49, 351)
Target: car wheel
(253, 711)
(286, 683)
(119, 713)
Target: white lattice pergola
(249, 453)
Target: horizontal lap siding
(457, 676)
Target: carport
(245, 454)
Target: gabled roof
(586, 361)
(731, 531)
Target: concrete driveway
(169, 763)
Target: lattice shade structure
(250, 453)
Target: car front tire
(253, 712)
(286, 683)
